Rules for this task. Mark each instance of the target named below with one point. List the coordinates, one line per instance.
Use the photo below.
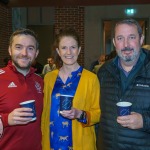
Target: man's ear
(37, 52)
(142, 39)
(114, 42)
(9, 50)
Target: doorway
(45, 36)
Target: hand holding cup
(30, 104)
(65, 102)
(124, 108)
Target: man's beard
(128, 58)
(27, 67)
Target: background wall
(73, 17)
(5, 31)
(41, 21)
(87, 20)
(45, 37)
(94, 17)
(52, 19)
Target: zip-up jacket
(14, 89)
(111, 135)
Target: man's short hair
(23, 31)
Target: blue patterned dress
(60, 127)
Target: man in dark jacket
(125, 78)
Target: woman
(71, 129)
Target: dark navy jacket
(111, 135)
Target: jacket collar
(13, 68)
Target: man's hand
(133, 121)
(1, 127)
(20, 116)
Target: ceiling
(49, 3)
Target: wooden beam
(49, 3)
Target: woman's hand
(71, 114)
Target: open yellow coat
(86, 98)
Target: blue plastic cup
(30, 104)
(65, 102)
(124, 108)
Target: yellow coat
(86, 98)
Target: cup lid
(66, 95)
(124, 104)
(26, 102)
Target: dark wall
(45, 35)
(5, 31)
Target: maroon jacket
(16, 88)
